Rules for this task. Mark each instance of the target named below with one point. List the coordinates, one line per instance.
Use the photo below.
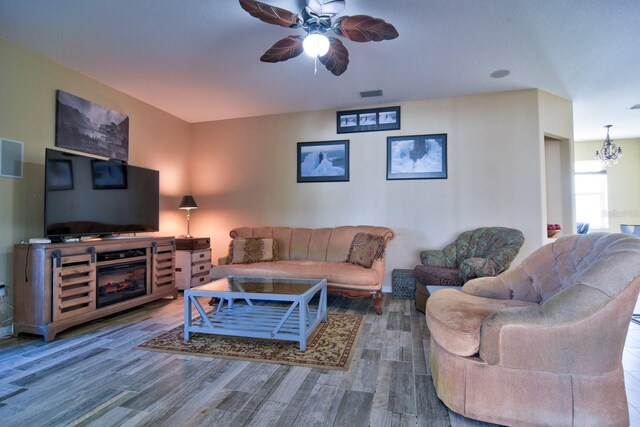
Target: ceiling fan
(316, 20)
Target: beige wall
(243, 172)
(556, 137)
(27, 113)
(623, 179)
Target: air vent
(636, 107)
(11, 158)
(371, 93)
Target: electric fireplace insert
(120, 282)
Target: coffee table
(269, 308)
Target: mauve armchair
(485, 251)
(540, 344)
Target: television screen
(89, 196)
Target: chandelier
(610, 152)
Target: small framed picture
(323, 161)
(369, 120)
(417, 157)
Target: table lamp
(188, 203)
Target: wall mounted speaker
(11, 157)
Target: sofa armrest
(471, 268)
(488, 287)
(575, 331)
(433, 257)
(379, 267)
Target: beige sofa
(314, 253)
(540, 344)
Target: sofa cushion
(454, 319)
(437, 276)
(365, 249)
(336, 273)
(251, 250)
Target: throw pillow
(365, 249)
(251, 250)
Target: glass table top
(260, 285)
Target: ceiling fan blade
(363, 28)
(271, 14)
(284, 49)
(337, 58)
(328, 8)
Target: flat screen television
(88, 196)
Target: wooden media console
(59, 285)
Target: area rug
(331, 346)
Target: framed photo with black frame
(417, 157)
(323, 161)
(369, 120)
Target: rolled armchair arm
(488, 287)
(564, 334)
(433, 257)
(471, 268)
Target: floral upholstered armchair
(483, 252)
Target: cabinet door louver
(74, 285)
(163, 267)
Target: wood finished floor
(93, 375)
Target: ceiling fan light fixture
(315, 45)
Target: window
(591, 194)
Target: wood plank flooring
(93, 375)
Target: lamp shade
(188, 202)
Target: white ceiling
(199, 59)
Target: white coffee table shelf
(279, 309)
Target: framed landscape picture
(370, 120)
(84, 126)
(417, 157)
(323, 161)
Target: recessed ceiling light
(636, 107)
(498, 74)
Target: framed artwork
(417, 157)
(59, 175)
(84, 126)
(108, 175)
(324, 161)
(370, 120)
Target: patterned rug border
(306, 360)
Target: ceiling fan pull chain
(315, 65)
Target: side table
(193, 262)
